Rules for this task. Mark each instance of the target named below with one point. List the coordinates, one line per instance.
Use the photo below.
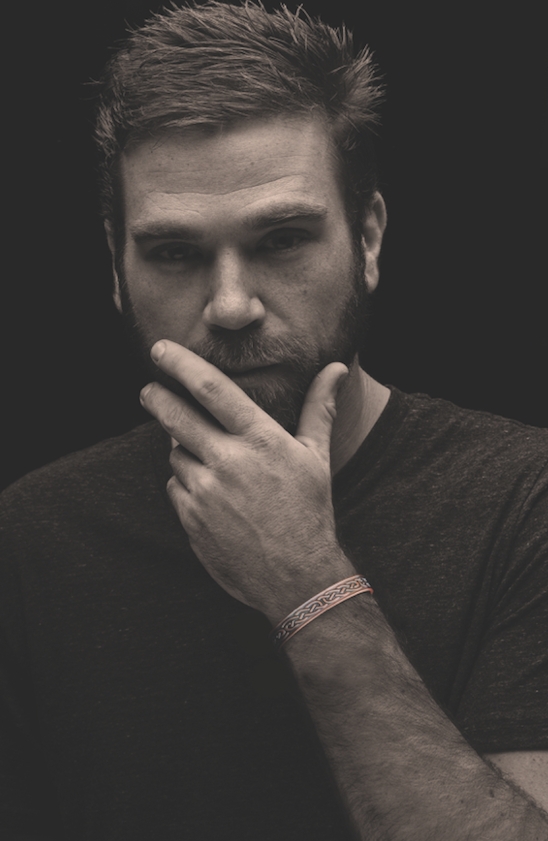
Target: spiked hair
(212, 65)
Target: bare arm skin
(404, 770)
(256, 504)
(526, 769)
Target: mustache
(251, 350)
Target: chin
(281, 400)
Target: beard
(281, 391)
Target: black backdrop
(460, 312)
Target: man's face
(237, 246)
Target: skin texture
(194, 270)
(241, 480)
(529, 769)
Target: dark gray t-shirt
(142, 702)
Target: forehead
(232, 171)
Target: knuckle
(173, 489)
(263, 437)
(209, 388)
(171, 486)
(246, 415)
(204, 484)
(171, 417)
(224, 460)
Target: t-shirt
(143, 702)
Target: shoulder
(436, 456)
(110, 466)
(480, 439)
(442, 413)
(493, 470)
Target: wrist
(326, 651)
(319, 604)
(306, 581)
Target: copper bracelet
(317, 605)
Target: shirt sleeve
(504, 706)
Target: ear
(373, 230)
(116, 287)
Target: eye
(285, 240)
(177, 252)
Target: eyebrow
(281, 214)
(277, 215)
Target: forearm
(256, 505)
(403, 769)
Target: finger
(320, 409)
(212, 389)
(183, 422)
(180, 499)
(184, 465)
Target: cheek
(164, 308)
(321, 293)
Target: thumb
(320, 409)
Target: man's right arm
(27, 803)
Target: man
(142, 700)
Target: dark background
(460, 312)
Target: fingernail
(157, 350)
(144, 392)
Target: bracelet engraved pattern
(317, 605)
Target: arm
(256, 505)
(526, 769)
(404, 770)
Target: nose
(232, 303)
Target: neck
(360, 402)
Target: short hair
(213, 64)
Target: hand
(254, 501)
